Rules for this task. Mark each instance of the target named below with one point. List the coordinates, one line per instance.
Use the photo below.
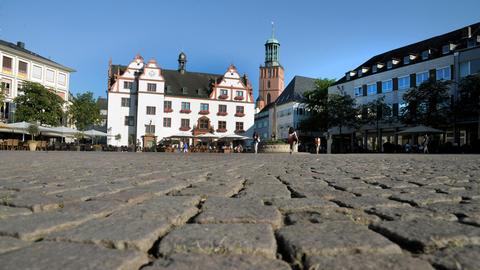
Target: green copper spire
(272, 50)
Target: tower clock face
(151, 73)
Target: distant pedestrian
(256, 140)
(318, 144)
(292, 139)
(426, 141)
(185, 147)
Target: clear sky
(318, 38)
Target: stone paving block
(367, 202)
(217, 262)
(62, 256)
(34, 201)
(331, 239)
(8, 211)
(215, 189)
(35, 226)
(465, 258)
(379, 192)
(238, 210)
(421, 199)
(251, 239)
(426, 235)
(265, 191)
(135, 227)
(301, 204)
(321, 192)
(408, 213)
(10, 243)
(331, 214)
(367, 262)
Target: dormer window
(360, 73)
(406, 60)
(347, 75)
(374, 69)
(353, 73)
(380, 65)
(445, 49)
(412, 56)
(184, 90)
(389, 64)
(425, 54)
(471, 42)
(395, 61)
(364, 69)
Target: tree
(38, 104)
(468, 105)
(341, 111)
(84, 111)
(427, 104)
(3, 97)
(316, 103)
(375, 112)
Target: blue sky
(318, 38)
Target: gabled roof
(34, 55)
(458, 37)
(191, 84)
(295, 90)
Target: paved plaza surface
(73, 210)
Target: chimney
(21, 44)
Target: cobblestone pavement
(238, 211)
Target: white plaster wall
(116, 118)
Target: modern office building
(450, 56)
(18, 64)
(144, 99)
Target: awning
(420, 130)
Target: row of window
(184, 124)
(424, 55)
(403, 82)
(37, 71)
(185, 107)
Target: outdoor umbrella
(233, 137)
(207, 136)
(63, 131)
(183, 134)
(420, 130)
(92, 133)
(21, 127)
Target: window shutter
(364, 88)
(413, 79)
(395, 109)
(395, 84)
(433, 74)
(379, 87)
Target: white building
(145, 99)
(288, 110)
(18, 64)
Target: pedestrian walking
(292, 139)
(426, 141)
(256, 140)
(318, 144)
(185, 147)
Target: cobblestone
(70, 210)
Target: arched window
(268, 84)
(269, 98)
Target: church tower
(271, 73)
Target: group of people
(292, 141)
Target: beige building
(18, 64)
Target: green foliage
(376, 111)
(38, 104)
(33, 130)
(427, 104)
(84, 111)
(341, 111)
(118, 137)
(3, 96)
(468, 104)
(316, 104)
